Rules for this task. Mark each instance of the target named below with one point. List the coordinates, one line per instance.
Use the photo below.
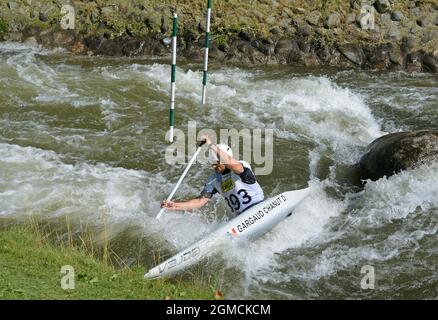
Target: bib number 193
(234, 202)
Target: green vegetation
(139, 17)
(3, 27)
(31, 269)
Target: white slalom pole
(173, 78)
(181, 178)
(207, 39)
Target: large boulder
(395, 152)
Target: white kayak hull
(251, 224)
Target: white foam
(35, 181)
(313, 106)
(307, 223)
(407, 194)
(16, 47)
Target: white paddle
(181, 178)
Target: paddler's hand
(206, 139)
(167, 204)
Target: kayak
(251, 224)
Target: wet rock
(243, 47)
(133, 47)
(430, 63)
(311, 60)
(397, 15)
(353, 53)
(14, 36)
(395, 56)
(332, 21)
(304, 45)
(266, 49)
(215, 53)
(395, 152)
(224, 47)
(63, 38)
(323, 52)
(378, 57)
(414, 62)
(409, 42)
(283, 47)
(46, 38)
(94, 42)
(295, 56)
(189, 36)
(382, 6)
(246, 52)
(201, 41)
(32, 41)
(246, 34)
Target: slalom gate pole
(173, 78)
(207, 40)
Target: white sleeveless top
(240, 191)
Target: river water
(83, 138)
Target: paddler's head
(217, 163)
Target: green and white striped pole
(173, 78)
(207, 38)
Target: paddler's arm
(185, 205)
(229, 162)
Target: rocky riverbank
(371, 34)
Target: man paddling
(233, 179)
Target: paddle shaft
(181, 178)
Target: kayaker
(232, 179)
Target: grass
(30, 268)
(3, 26)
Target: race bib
(227, 185)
